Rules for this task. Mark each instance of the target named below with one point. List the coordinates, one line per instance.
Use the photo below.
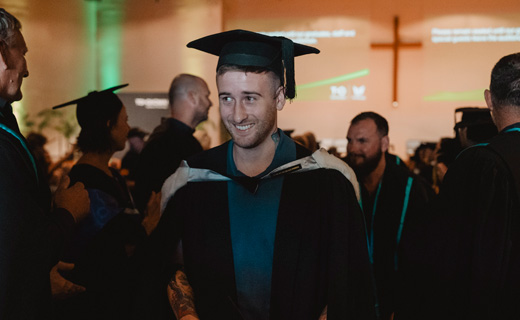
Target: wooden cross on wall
(395, 48)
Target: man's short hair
(248, 69)
(505, 81)
(8, 25)
(381, 123)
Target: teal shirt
(253, 217)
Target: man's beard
(366, 167)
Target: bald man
(173, 140)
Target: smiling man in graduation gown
(268, 231)
(464, 262)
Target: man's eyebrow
(251, 92)
(243, 92)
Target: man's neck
(371, 181)
(254, 161)
(185, 117)
(505, 120)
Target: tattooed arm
(180, 295)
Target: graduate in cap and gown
(103, 244)
(264, 228)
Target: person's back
(462, 263)
(168, 144)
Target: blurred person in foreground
(33, 226)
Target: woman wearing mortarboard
(103, 245)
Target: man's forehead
(363, 127)
(246, 79)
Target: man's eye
(250, 98)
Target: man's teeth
(244, 127)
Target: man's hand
(74, 199)
(180, 295)
(152, 213)
(61, 288)
(323, 315)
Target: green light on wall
(472, 95)
(104, 27)
(91, 9)
(345, 77)
(320, 90)
(110, 47)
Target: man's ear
(489, 102)
(4, 62)
(193, 97)
(385, 143)
(280, 98)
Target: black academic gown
(463, 262)
(31, 235)
(169, 143)
(394, 206)
(320, 254)
(102, 248)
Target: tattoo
(181, 296)
(276, 137)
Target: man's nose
(239, 114)
(352, 147)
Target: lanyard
(403, 216)
(513, 129)
(14, 134)
(370, 237)
(483, 144)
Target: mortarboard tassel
(288, 62)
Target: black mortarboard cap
(96, 106)
(472, 116)
(136, 132)
(478, 121)
(250, 49)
